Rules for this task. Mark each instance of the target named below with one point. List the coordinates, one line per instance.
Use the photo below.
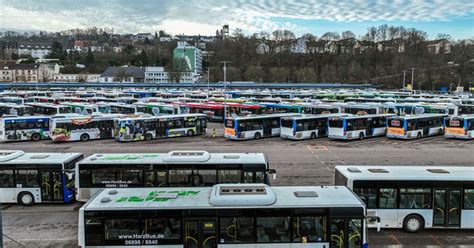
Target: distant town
(385, 56)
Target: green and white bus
(225, 215)
(29, 178)
(414, 197)
(173, 169)
(166, 126)
(415, 126)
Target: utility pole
(208, 76)
(225, 87)
(413, 78)
(1, 227)
(404, 76)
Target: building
(25, 73)
(157, 74)
(6, 72)
(144, 36)
(33, 49)
(46, 72)
(439, 46)
(123, 74)
(83, 46)
(192, 56)
(223, 33)
(88, 78)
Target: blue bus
(29, 178)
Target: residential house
(46, 72)
(83, 46)
(394, 45)
(439, 46)
(144, 36)
(6, 71)
(25, 72)
(89, 78)
(123, 74)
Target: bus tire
(35, 137)
(190, 133)
(257, 136)
(441, 131)
(148, 136)
(26, 199)
(418, 136)
(413, 223)
(85, 137)
(361, 136)
(312, 136)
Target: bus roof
(410, 117)
(470, 116)
(306, 117)
(20, 157)
(263, 116)
(142, 117)
(365, 116)
(195, 157)
(34, 117)
(66, 118)
(224, 196)
(407, 173)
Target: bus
(254, 127)
(459, 127)
(122, 108)
(10, 109)
(414, 197)
(357, 126)
(41, 108)
(157, 109)
(415, 126)
(317, 109)
(305, 126)
(465, 109)
(87, 108)
(83, 128)
(173, 169)
(166, 126)
(29, 178)
(24, 128)
(225, 215)
(364, 109)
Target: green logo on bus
(129, 157)
(154, 196)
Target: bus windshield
(229, 123)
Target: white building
(157, 74)
(35, 50)
(89, 78)
(46, 72)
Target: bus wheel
(413, 224)
(84, 137)
(190, 133)
(313, 136)
(148, 136)
(35, 137)
(26, 199)
(257, 136)
(361, 136)
(418, 136)
(441, 131)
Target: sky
(454, 17)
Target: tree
(89, 57)
(56, 52)
(143, 59)
(348, 35)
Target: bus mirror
(378, 226)
(273, 172)
(274, 176)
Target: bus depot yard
(297, 163)
(76, 143)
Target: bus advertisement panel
(148, 128)
(83, 128)
(24, 128)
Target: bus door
(346, 232)
(447, 207)
(161, 128)
(51, 186)
(200, 125)
(200, 233)
(267, 127)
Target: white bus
(29, 178)
(83, 128)
(225, 215)
(415, 126)
(459, 127)
(414, 197)
(357, 126)
(166, 126)
(254, 127)
(24, 128)
(305, 126)
(173, 169)
(41, 108)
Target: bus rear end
(396, 128)
(337, 128)
(288, 128)
(458, 128)
(230, 129)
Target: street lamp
(225, 86)
(208, 76)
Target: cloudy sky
(455, 17)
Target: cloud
(206, 16)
